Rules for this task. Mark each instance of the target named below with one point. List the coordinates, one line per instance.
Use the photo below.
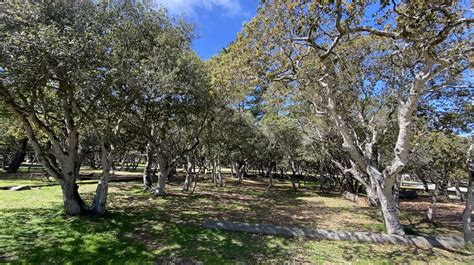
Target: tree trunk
(163, 173)
(458, 190)
(214, 172)
(189, 172)
(434, 198)
(425, 185)
(371, 191)
(99, 204)
(269, 174)
(5, 158)
(466, 216)
(32, 161)
(194, 179)
(73, 203)
(396, 191)
(19, 156)
(389, 210)
(148, 171)
(160, 189)
(219, 172)
(293, 175)
(240, 170)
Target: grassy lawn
(143, 229)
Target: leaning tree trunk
(99, 204)
(466, 216)
(389, 208)
(148, 171)
(396, 191)
(434, 198)
(19, 156)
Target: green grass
(11, 182)
(140, 228)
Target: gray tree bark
(163, 174)
(458, 190)
(240, 171)
(467, 214)
(73, 203)
(148, 171)
(371, 190)
(389, 209)
(218, 169)
(189, 173)
(99, 203)
(269, 174)
(431, 208)
(293, 175)
(214, 172)
(396, 191)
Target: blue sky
(217, 21)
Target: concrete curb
(450, 243)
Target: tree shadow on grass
(190, 244)
(144, 229)
(46, 235)
(132, 232)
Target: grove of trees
(352, 94)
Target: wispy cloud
(190, 7)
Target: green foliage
(439, 157)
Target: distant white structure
(410, 182)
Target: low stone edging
(93, 181)
(320, 234)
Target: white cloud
(189, 7)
